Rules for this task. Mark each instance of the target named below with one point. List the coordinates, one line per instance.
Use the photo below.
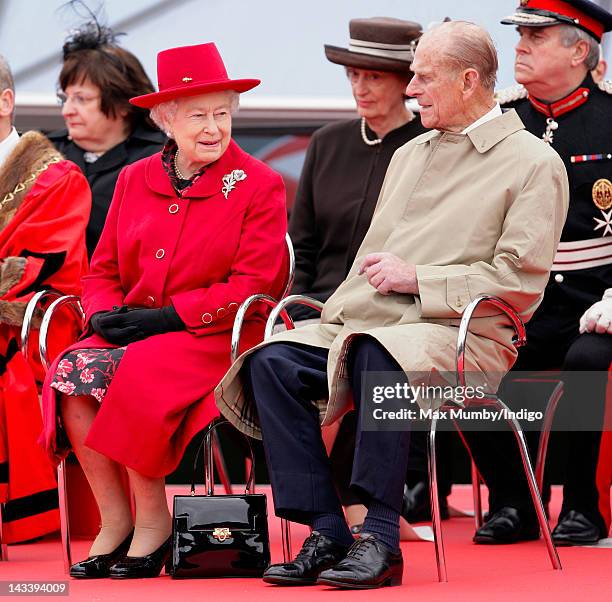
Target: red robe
(205, 254)
(41, 246)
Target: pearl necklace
(364, 136)
(176, 167)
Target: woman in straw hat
(192, 231)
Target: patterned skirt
(87, 371)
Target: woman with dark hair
(104, 131)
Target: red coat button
(207, 318)
(221, 312)
(150, 301)
(173, 208)
(160, 253)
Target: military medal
(602, 194)
(585, 158)
(551, 126)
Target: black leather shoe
(317, 554)
(139, 567)
(575, 529)
(416, 504)
(368, 564)
(97, 567)
(506, 526)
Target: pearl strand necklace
(364, 136)
(176, 167)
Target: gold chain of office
(9, 196)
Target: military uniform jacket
(477, 213)
(583, 138)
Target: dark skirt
(87, 371)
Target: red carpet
(520, 572)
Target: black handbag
(219, 535)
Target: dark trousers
(341, 459)
(285, 380)
(553, 343)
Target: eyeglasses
(77, 99)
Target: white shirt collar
(7, 145)
(492, 114)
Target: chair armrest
(290, 266)
(72, 301)
(34, 303)
(281, 311)
(278, 310)
(239, 320)
(464, 326)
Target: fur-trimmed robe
(43, 215)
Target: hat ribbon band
(400, 52)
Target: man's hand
(388, 274)
(598, 317)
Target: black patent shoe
(317, 554)
(140, 567)
(368, 564)
(575, 529)
(506, 526)
(98, 567)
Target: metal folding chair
(35, 303)
(279, 311)
(487, 401)
(74, 303)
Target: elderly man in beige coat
(474, 206)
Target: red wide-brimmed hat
(188, 71)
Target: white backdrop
(279, 41)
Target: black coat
(102, 174)
(335, 201)
(585, 130)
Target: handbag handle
(209, 476)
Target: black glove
(94, 322)
(125, 325)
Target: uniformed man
(557, 99)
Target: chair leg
(3, 546)
(549, 416)
(62, 490)
(533, 487)
(435, 502)
(248, 466)
(286, 539)
(220, 464)
(476, 481)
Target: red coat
(48, 232)
(203, 253)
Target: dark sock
(333, 526)
(383, 521)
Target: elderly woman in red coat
(191, 233)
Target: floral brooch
(231, 179)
